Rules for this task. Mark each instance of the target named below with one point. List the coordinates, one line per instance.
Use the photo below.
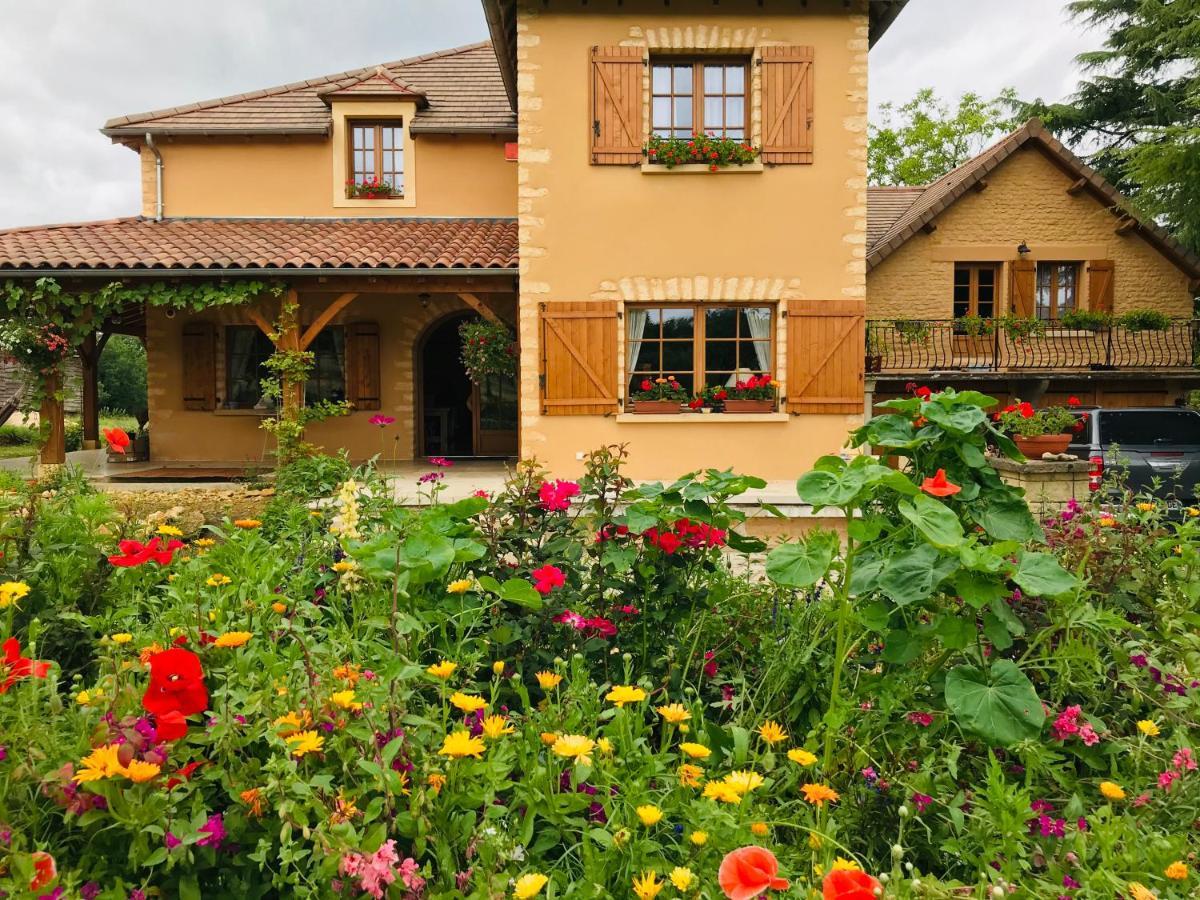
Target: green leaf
(954, 632)
(913, 574)
(996, 632)
(971, 455)
(520, 592)
(890, 431)
(999, 705)
(189, 888)
(804, 563)
(639, 519)
(977, 589)
(1040, 575)
(875, 615)
(961, 418)
(900, 647)
(935, 520)
(1006, 518)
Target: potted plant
(709, 400)
(875, 351)
(487, 349)
(661, 396)
(700, 149)
(1039, 431)
(757, 394)
(369, 189)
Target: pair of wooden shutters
(825, 357)
(618, 116)
(1023, 286)
(199, 357)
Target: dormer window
(707, 95)
(376, 159)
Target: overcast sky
(68, 65)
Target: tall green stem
(839, 659)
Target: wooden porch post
(54, 450)
(89, 361)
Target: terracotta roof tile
(462, 86)
(886, 204)
(139, 243)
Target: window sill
(256, 413)
(753, 168)
(343, 202)
(700, 418)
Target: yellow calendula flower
(802, 757)
(649, 814)
(102, 762)
(624, 693)
(759, 829)
(121, 637)
(218, 580)
(529, 885)
(1176, 871)
(1138, 891)
(11, 592)
(605, 746)
(674, 713)
(699, 838)
(233, 639)
(819, 794)
(461, 586)
(204, 542)
(342, 566)
(722, 792)
(498, 667)
(548, 680)
(280, 608)
(460, 744)
(443, 669)
(1148, 727)
(690, 775)
(1192, 512)
(647, 886)
(345, 699)
(772, 732)
(1146, 507)
(695, 751)
(169, 531)
(495, 727)
(140, 772)
(573, 746)
(744, 781)
(305, 742)
(83, 698)
(468, 703)
(436, 781)
(1112, 790)
(549, 737)
(293, 722)
(344, 810)
(1106, 521)
(247, 523)
(682, 878)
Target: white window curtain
(635, 327)
(759, 320)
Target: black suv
(1149, 442)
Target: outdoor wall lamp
(1023, 249)
(424, 298)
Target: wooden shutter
(1022, 286)
(787, 105)
(617, 90)
(826, 350)
(199, 366)
(362, 365)
(579, 358)
(1100, 285)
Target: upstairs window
(376, 151)
(975, 290)
(707, 96)
(1057, 283)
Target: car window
(1131, 427)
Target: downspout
(158, 177)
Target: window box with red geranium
(700, 153)
(661, 396)
(1040, 431)
(371, 189)
(756, 394)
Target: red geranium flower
(748, 872)
(118, 440)
(938, 486)
(1073, 401)
(176, 684)
(547, 578)
(844, 884)
(17, 666)
(1026, 410)
(923, 392)
(44, 870)
(135, 553)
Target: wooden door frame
(419, 384)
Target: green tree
(1137, 114)
(923, 139)
(122, 375)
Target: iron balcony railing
(1000, 345)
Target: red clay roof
(934, 198)
(139, 243)
(462, 86)
(886, 204)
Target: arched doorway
(455, 416)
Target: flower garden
(597, 689)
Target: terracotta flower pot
(749, 406)
(657, 407)
(1034, 447)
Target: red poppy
(547, 578)
(44, 870)
(844, 884)
(17, 666)
(135, 553)
(938, 486)
(176, 684)
(748, 872)
(170, 726)
(118, 440)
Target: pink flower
(1088, 735)
(923, 719)
(375, 871)
(1166, 778)
(381, 420)
(921, 802)
(214, 832)
(1183, 761)
(1064, 726)
(547, 578)
(555, 496)
(441, 461)
(574, 619)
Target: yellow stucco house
(513, 180)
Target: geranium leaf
(1000, 705)
(1040, 575)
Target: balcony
(921, 346)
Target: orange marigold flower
(247, 523)
(818, 794)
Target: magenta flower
(921, 801)
(555, 496)
(382, 421)
(214, 832)
(170, 841)
(441, 461)
(923, 719)
(431, 478)
(547, 578)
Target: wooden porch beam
(1077, 187)
(416, 284)
(1127, 225)
(260, 320)
(480, 307)
(326, 316)
(929, 227)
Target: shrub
(1085, 320)
(122, 375)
